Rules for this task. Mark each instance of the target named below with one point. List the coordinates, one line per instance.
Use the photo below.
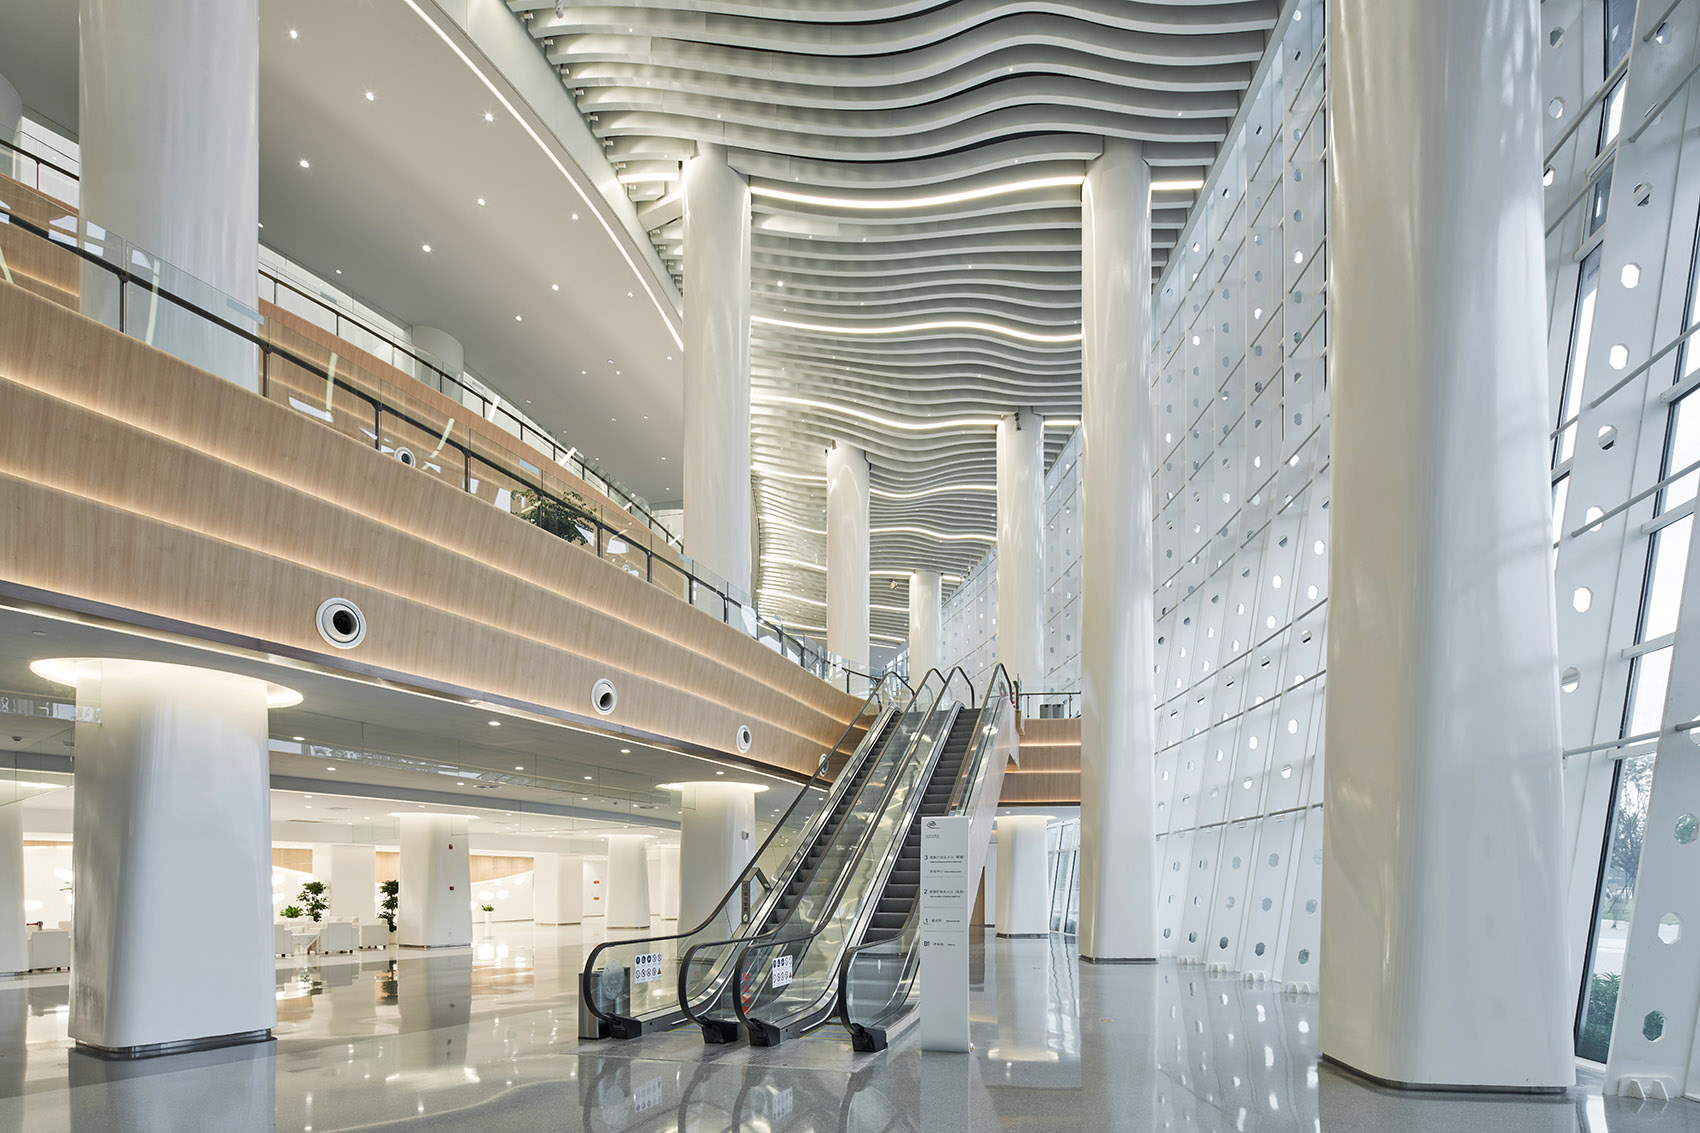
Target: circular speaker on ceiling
(603, 696)
(341, 623)
(745, 738)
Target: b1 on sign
(646, 967)
(781, 971)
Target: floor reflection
(487, 1037)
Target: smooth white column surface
(717, 366)
(14, 952)
(847, 554)
(666, 898)
(171, 826)
(628, 881)
(595, 887)
(168, 122)
(1443, 954)
(354, 881)
(441, 349)
(1024, 891)
(559, 883)
(716, 839)
(11, 113)
(925, 610)
(1118, 728)
(435, 899)
(1021, 547)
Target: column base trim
(181, 1046)
(468, 944)
(1118, 959)
(1024, 935)
(1441, 1087)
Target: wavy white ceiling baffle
(915, 174)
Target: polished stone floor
(486, 1039)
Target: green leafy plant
(488, 908)
(290, 912)
(392, 897)
(566, 518)
(313, 896)
(1594, 1042)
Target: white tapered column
(354, 882)
(716, 840)
(847, 554)
(666, 896)
(628, 881)
(435, 909)
(559, 885)
(1021, 547)
(1118, 741)
(925, 606)
(717, 366)
(14, 955)
(168, 122)
(1443, 954)
(171, 826)
(1023, 887)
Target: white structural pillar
(354, 882)
(628, 881)
(1024, 891)
(925, 607)
(1443, 947)
(441, 350)
(595, 887)
(716, 841)
(168, 122)
(171, 826)
(435, 899)
(559, 883)
(717, 366)
(1021, 547)
(14, 953)
(1118, 728)
(847, 554)
(665, 901)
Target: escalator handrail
(879, 690)
(958, 801)
(911, 807)
(831, 903)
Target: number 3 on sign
(781, 971)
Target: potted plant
(392, 897)
(488, 909)
(313, 896)
(290, 912)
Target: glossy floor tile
(486, 1038)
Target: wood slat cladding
(250, 514)
(297, 858)
(1050, 765)
(488, 867)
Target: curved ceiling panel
(915, 171)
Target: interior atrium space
(868, 565)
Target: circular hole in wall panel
(745, 738)
(405, 455)
(341, 623)
(603, 696)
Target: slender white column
(354, 881)
(1118, 740)
(717, 366)
(925, 606)
(595, 887)
(435, 908)
(559, 884)
(628, 881)
(1021, 547)
(1024, 892)
(170, 134)
(1442, 931)
(716, 839)
(667, 878)
(14, 954)
(847, 554)
(171, 826)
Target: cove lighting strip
(665, 310)
(893, 204)
(911, 328)
(947, 423)
(771, 592)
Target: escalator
(630, 987)
(876, 982)
(787, 979)
(713, 987)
